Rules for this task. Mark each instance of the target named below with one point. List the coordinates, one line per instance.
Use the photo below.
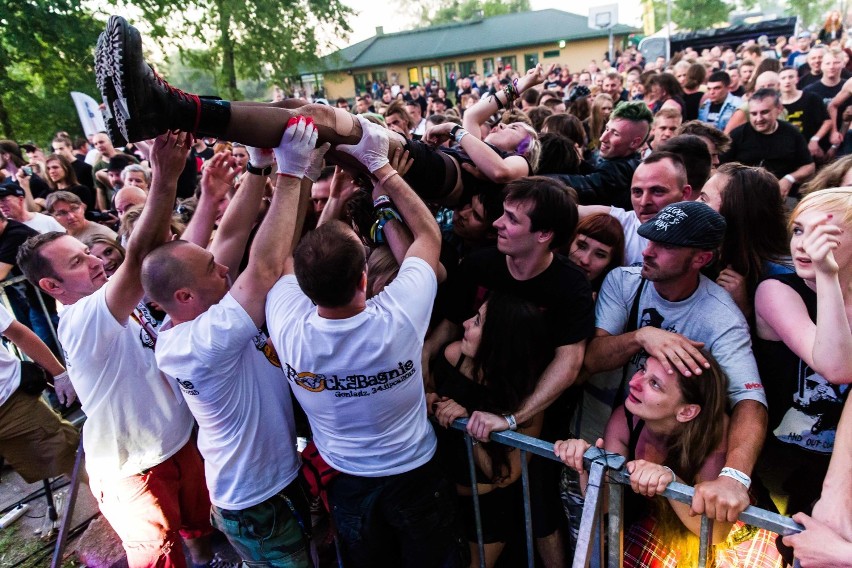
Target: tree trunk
(226, 44)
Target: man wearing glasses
(70, 211)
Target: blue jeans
(271, 533)
(409, 520)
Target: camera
(28, 171)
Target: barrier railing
(48, 321)
(606, 474)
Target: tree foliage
(250, 39)
(690, 15)
(46, 51)
(810, 11)
(448, 11)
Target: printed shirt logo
(148, 325)
(351, 385)
(264, 345)
(187, 387)
(811, 422)
(669, 217)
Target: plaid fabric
(745, 547)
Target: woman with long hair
(598, 247)
(663, 90)
(803, 343)
(493, 368)
(755, 244)
(601, 109)
(670, 428)
(832, 30)
(61, 177)
(694, 77)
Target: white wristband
(815, 138)
(60, 376)
(790, 178)
(668, 469)
(513, 424)
(736, 474)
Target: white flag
(89, 113)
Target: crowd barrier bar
(606, 474)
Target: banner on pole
(89, 112)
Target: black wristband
(258, 171)
(454, 130)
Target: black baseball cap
(10, 187)
(686, 224)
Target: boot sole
(120, 49)
(107, 90)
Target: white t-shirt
(44, 223)
(10, 366)
(232, 381)
(359, 379)
(136, 416)
(634, 244)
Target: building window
(360, 83)
(381, 77)
(530, 61)
(551, 53)
(431, 73)
(507, 61)
(467, 68)
(450, 76)
(413, 76)
(488, 66)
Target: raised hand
(169, 153)
(820, 243)
(294, 152)
(217, 177)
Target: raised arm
(277, 234)
(372, 151)
(489, 162)
(217, 179)
(168, 159)
(834, 107)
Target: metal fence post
(476, 511)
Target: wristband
(790, 178)
(455, 129)
(513, 424)
(815, 138)
(60, 376)
(736, 474)
(462, 133)
(381, 202)
(383, 215)
(258, 171)
(668, 469)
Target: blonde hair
(832, 199)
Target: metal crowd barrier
(606, 476)
(45, 312)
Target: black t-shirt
(11, 240)
(782, 152)
(807, 78)
(713, 113)
(739, 91)
(826, 94)
(561, 291)
(83, 171)
(692, 104)
(205, 154)
(807, 114)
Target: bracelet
(736, 474)
(461, 134)
(790, 178)
(497, 99)
(383, 215)
(387, 177)
(815, 138)
(455, 129)
(513, 424)
(252, 169)
(668, 469)
(382, 201)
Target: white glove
(64, 389)
(297, 144)
(315, 167)
(372, 149)
(260, 157)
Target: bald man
(127, 197)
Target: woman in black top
(61, 177)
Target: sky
(372, 13)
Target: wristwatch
(258, 171)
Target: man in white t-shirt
(34, 440)
(658, 181)
(354, 365)
(144, 468)
(13, 206)
(230, 377)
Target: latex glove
(372, 150)
(64, 389)
(315, 167)
(260, 157)
(298, 142)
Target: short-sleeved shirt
(562, 291)
(359, 379)
(10, 366)
(137, 417)
(44, 223)
(807, 114)
(232, 381)
(634, 243)
(782, 152)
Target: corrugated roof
(474, 36)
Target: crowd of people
(653, 258)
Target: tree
(688, 15)
(810, 11)
(46, 51)
(448, 11)
(250, 39)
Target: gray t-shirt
(709, 315)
